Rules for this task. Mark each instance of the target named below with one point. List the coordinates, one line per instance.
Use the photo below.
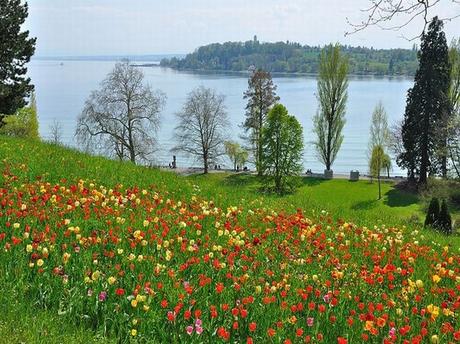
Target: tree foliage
(16, 49)
(237, 154)
(438, 216)
(202, 126)
(444, 223)
(123, 116)
(424, 130)
(379, 162)
(23, 123)
(432, 214)
(289, 57)
(329, 121)
(261, 96)
(379, 132)
(282, 141)
(454, 97)
(454, 86)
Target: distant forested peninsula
(289, 57)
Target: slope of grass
(28, 162)
(355, 201)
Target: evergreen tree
(432, 214)
(444, 223)
(424, 129)
(261, 96)
(16, 49)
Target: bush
(24, 123)
(282, 144)
(455, 196)
(432, 214)
(444, 223)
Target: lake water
(61, 89)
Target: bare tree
(383, 13)
(202, 125)
(123, 116)
(55, 129)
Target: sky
(137, 27)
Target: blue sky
(111, 27)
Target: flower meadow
(145, 267)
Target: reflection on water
(63, 86)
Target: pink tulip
(102, 296)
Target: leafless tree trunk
(202, 124)
(123, 116)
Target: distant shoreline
(156, 64)
(279, 74)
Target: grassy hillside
(95, 250)
(352, 200)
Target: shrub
(455, 196)
(432, 214)
(444, 223)
(24, 123)
(282, 144)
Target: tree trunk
(380, 189)
(423, 171)
(205, 163)
(259, 154)
(444, 167)
(132, 155)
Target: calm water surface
(61, 90)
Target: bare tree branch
(382, 13)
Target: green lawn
(351, 201)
